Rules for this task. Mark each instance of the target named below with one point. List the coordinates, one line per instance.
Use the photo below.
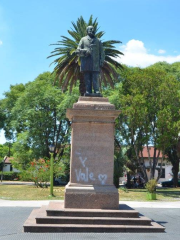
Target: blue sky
(148, 29)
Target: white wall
(168, 172)
(7, 168)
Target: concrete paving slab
(133, 204)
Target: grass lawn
(26, 192)
(162, 194)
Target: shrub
(10, 175)
(151, 185)
(39, 172)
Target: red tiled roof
(8, 160)
(151, 151)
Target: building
(166, 166)
(7, 166)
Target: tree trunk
(128, 180)
(175, 170)
(173, 154)
(116, 181)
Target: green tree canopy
(150, 103)
(173, 69)
(173, 150)
(7, 105)
(37, 117)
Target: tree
(6, 105)
(119, 162)
(164, 66)
(173, 69)
(23, 154)
(37, 118)
(2, 117)
(173, 150)
(173, 153)
(150, 105)
(4, 150)
(68, 63)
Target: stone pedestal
(92, 155)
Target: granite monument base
(91, 197)
(92, 155)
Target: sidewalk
(16, 183)
(133, 204)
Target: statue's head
(90, 31)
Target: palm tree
(67, 65)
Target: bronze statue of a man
(91, 53)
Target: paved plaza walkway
(133, 204)
(14, 213)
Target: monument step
(85, 213)
(93, 220)
(57, 209)
(32, 226)
(86, 223)
(91, 228)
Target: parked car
(60, 181)
(169, 183)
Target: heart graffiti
(102, 178)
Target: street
(14, 213)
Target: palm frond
(108, 77)
(102, 78)
(67, 65)
(90, 21)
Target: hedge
(10, 175)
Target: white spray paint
(83, 174)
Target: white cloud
(136, 55)
(1, 42)
(135, 46)
(161, 51)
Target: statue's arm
(81, 51)
(80, 45)
(79, 48)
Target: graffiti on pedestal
(83, 174)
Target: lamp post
(51, 149)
